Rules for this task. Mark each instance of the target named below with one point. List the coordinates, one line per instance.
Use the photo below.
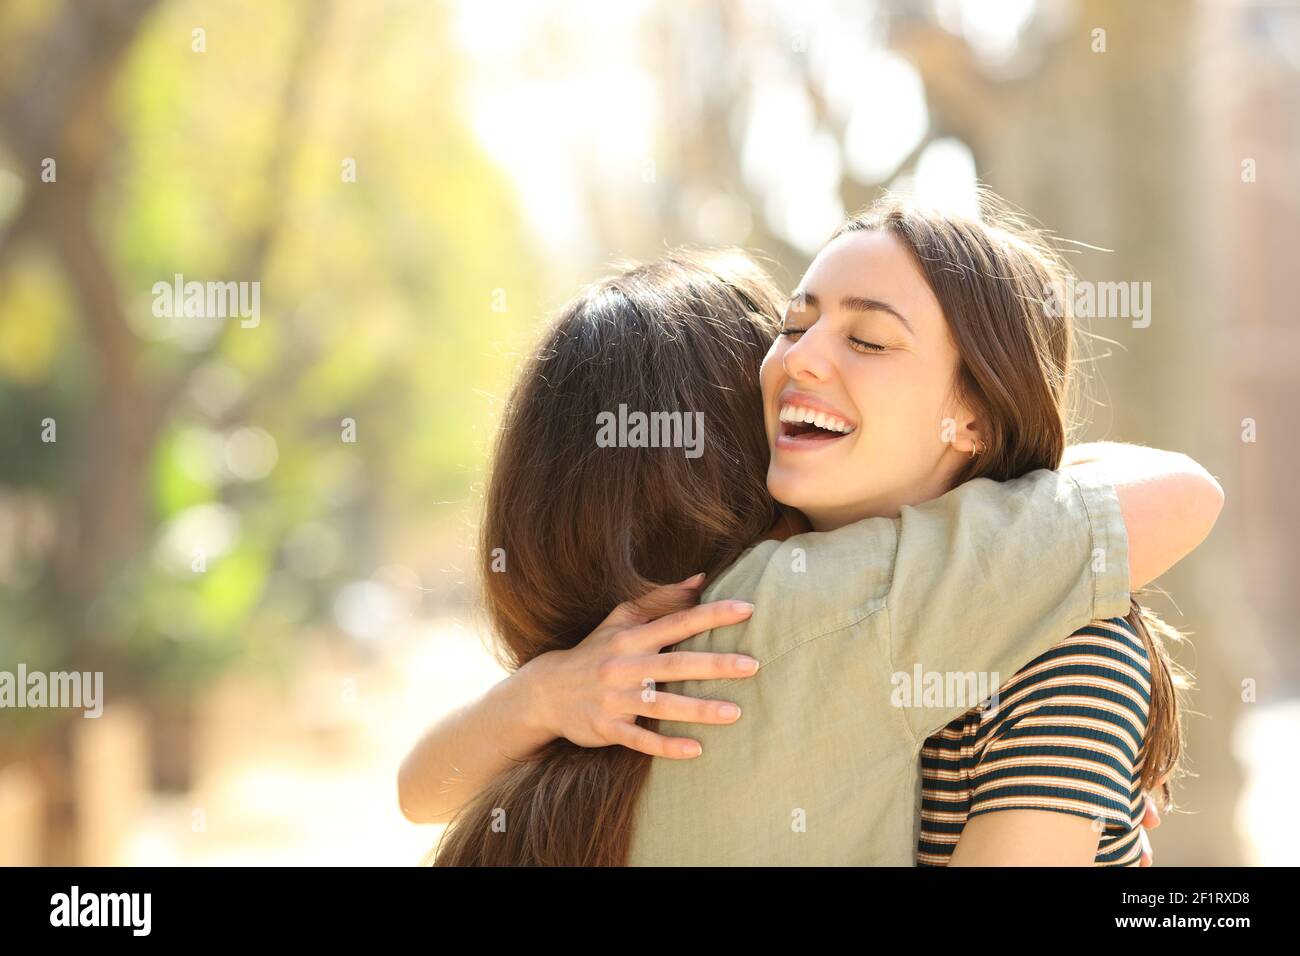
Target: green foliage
(376, 305)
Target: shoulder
(1112, 642)
(813, 583)
(809, 586)
(1101, 671)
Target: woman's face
(866, 348)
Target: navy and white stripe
(1066, 736)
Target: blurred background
(280, 606)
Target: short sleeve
(991, 575)
(1069, 737)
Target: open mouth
(806, 425)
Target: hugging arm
(1168, 501)
(1024, 563)
(1027, 838)
(466, 748)
(591, 694)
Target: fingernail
(742, 607)
(692, 749)
(747, 664)
(728, 711)
(693, 581)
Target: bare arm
(1169, 502)
(1038, 838)
(469, 746)
(591, 694)
(1027, 838)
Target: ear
(964, 433)
(970, 438)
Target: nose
(807, 360)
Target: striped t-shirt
(1066, 735)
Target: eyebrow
(858, 303)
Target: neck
(889, 505)
(788, 522)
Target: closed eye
(864, 346)
(858, 345)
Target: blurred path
(309, 776)
(1265, 743)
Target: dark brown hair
(583, 528)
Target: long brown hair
(581, 528)
(571, 529)
(1002, 287)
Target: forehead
(875, 265)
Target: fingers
(1147, 858)
(678, 666)
(680, 625)
(631, 613)
(636, 737)
(1151, 818)
(685, 709)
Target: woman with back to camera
(984, 577)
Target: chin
(789, 490)
(780, 487)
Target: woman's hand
(1150, 820)
(592, 694)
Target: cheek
(771, 374)
(771, 368)
(901, 412)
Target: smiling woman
(848, 350)
(935, 393)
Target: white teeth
(796, 415)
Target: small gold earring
(973, 451)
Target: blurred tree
(205, 497)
